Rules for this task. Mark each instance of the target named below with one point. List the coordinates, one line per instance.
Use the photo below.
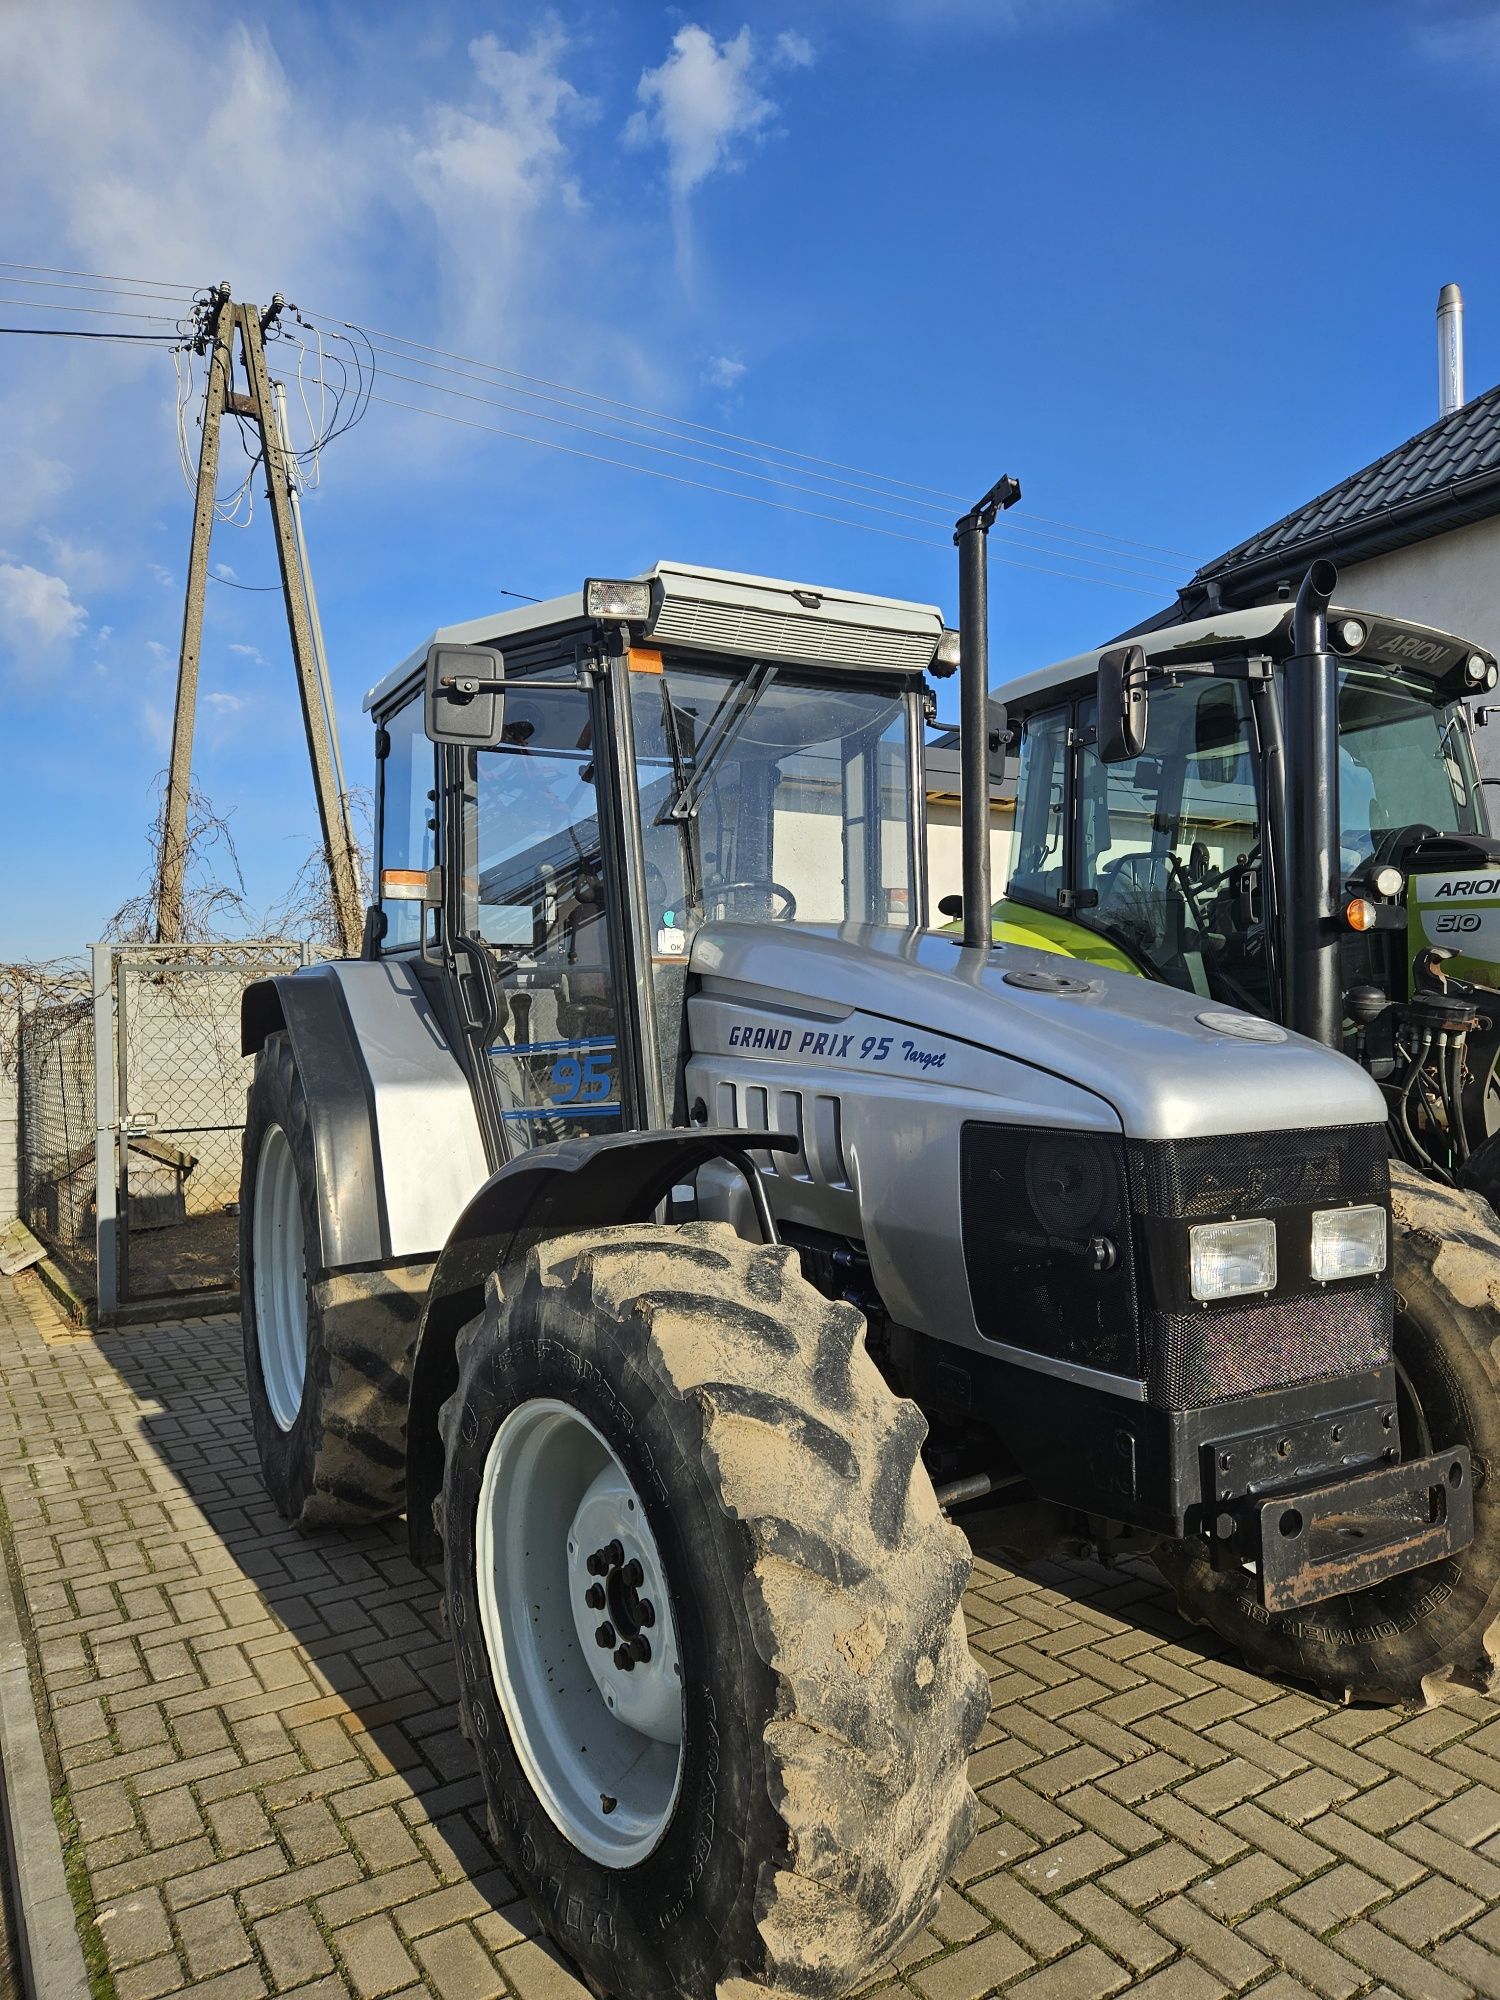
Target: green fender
(1046, 930)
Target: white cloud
(494, 174)
(703, 105)
(724, 373)
(36, 607)
(225, 704)
(164, 576)
(223, 569)
(698, 104)
(506, 154)
(245, 652)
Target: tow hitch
(1352, 1533)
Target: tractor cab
(1165, 845)
(568, 794)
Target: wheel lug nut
(598, 1563)
(634, 1575)
(594, 1597)
(625, 1659)
(640, 1645)
(648, 1612)
(605, 1634)
(613, 1555)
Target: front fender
(576, 1185)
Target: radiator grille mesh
(1196, 1359)
(1206, 1180)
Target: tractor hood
(1170, 1065)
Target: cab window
(408, 818)
(1169, 842)
(1041, 806)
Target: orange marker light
(1359, 915)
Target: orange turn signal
(1359, 915)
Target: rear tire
(1409, 1639)
(331, 1436)
(810, 1790)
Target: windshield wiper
(723, 732)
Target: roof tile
(1464, 445)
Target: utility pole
(172, 860)
(259, 405)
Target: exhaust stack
(1450, 341)
(971, 535)
(1314, 863)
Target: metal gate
(167, 1028)
(56, 1070)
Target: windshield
(1169, 842)
(769, 795)
(1405, 761)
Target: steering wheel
(711, 890)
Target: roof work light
(607, 597)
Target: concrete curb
(51, 1955)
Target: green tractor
(1278, 809)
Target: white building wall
(1451, 581)
(945, 860)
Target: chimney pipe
(1450, 339)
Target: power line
(102, 291)
(784, 482)
(229, 583)
(780, 476)
(637, 410)
(729, 492)
(94, 312)
(163, 340)
(109, 278)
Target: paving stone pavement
(256, 1734)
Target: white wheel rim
(600, 1743)
(280, 1277)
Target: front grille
(1204, 1357)
(1257, 1173)
(1198, 1355)
(1038, 1207)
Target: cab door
(532, 915)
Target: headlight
(1348, 1243)
(607, 597)
(1229, 1259)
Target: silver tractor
(705, 1253)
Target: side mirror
(997, 736)
(1122, 704)
(951, 906)
(465, 698)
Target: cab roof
(725, 612)
(1262, 628)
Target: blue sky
(1172, 265)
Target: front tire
(807, 1788)
(1409, 1639)
(328, 1410)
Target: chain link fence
(180, 1096)
(57, 1109)
(135, 1189)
